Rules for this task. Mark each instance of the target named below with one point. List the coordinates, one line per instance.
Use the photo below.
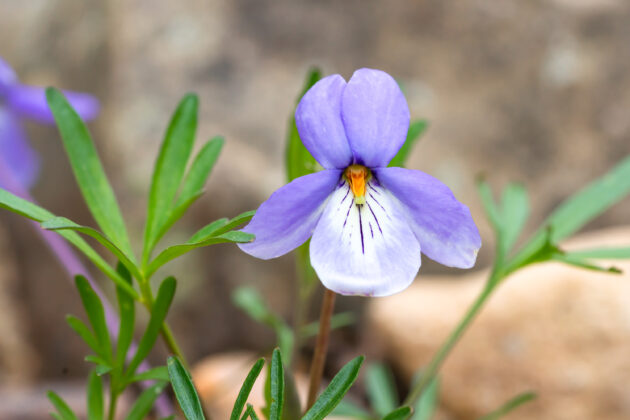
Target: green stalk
(436, 363)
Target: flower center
(357, 177)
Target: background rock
(561, 332)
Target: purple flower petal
(366, 250)
(376, 117)
(7, 76)
(16, 154)
(30, 102)
(287, 219)
(318, 120)
(443, 225)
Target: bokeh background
(534, 91)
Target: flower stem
(321, 347)
(428, 374)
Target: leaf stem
(321, 347)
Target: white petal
(366, 249)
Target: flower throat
(357, 177)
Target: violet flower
(19, 102)
(368, 222)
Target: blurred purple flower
(19, 102)
(368, 222)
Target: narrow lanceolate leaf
(140, 409)
(96, 315)
(32, 211)
(235, 222)
(299, 161)
(127, 312)
(194, 182)
(175, 251)
(84, 332)
(335, 391)
(169, 169)
(221, 226)
(509, 406)
(158, 315)
(159, 373)
(602, 253)
(400, 413)
(590, 202)
(95, 407)
(88, 171)
(277, 386)
(582, 263)
(64, 410)
(200, 170)
(184, 390)
(249, 412)
(381, 389)
(243, 394)
(416, 129)
(427, 403)
(514, 212)
(489, 205)
(61, 223)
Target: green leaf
(381, 389)
(427, 403)
(175, 251)
(582, 263)
(277, 386)
(195, 180)
(246, 388)
(64, 410)
(299, 161)
(509, 406)
(335, 391)
(235, 222)
(602, 253)
(209, 229)
(416, 128)
(249, 412)
(61, 223)
(400, 413)
(158, 315)
(169, 169)
(140, 409)
(32, 211)
(127, 312)
(514, 214)
(97, 360)
(489, 205)
(96, 315)
(159, 373)
(88, 171)
(200, 170)
(184, 390)
(95, 397)
(83, 331)
(250, 301)
(590, 202)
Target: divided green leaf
(184, 389)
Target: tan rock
(219, 377)
(556, 330)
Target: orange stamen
(357, 176)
